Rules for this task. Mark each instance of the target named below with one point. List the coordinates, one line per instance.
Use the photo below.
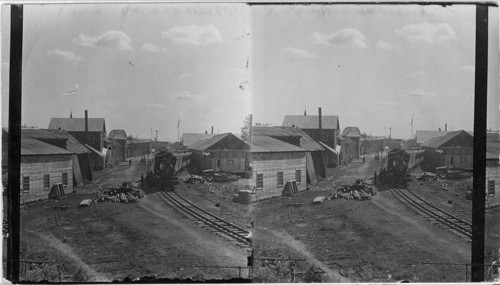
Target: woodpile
(356, 191)
(244, 197)
(428, 176)
(122, 194)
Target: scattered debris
(428, 176)
(193, 179)
(356, 191)
(85, 203)
(319, 200)
(122, 194)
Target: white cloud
(117, 40)
(184, 75)
(193, 35)
(427, 32)
(419, 93)
(416, 74)
(386, 46)
(298, 52)
(345, 37)
(468, 69)
(68, 55)
(185, 96)
(147, 47)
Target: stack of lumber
(194, 179)
(122, 194)
(428, 176)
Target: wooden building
(42, 166)
(321, 128)
(138, 147)
(117, 145)
(274, 163)
(295, 136)
(224, 152)
(352, 143)
(76, 128)
(190, 138)
(493, 169)
(452, 150)
(82, 171)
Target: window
(65, 179)
(46, 182)
(26, 184)
(491, 188)
(280, 179)
(325, 135)
(298, 176)
(260, 181)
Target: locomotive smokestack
(320, 126)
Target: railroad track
(433, 213)
(207, 220)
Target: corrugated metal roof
(311, 122)
(424, 136)
(118, 135)
(78, 124)
(306, 142)
(190, 138)
(262, 143)
(72, 144)
(30, 146)
(492, 145)
(351, 132)
(439, 141)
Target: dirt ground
(378, 240)
(111, 241)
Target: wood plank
(77, 171)
(310, 168)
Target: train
(401, 161)
(167, 165)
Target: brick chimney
(320, 126)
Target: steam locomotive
(400, 162)
(166, 167)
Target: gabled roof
(72, 145)
(190, 138)
(439, 141)
(208, 143)
(30, 146)
(262, 143)
(306, 142)
(351, 132)
(311, 122)
(78, 124)
(424, 136)
(492, 145)
(118, 135)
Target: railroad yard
(197, 231)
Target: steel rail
(432, 213)
(213, 223)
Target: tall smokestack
(320, 126)
(212, 129)
(250, 131)
(86, 127)
(445, 127)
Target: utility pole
(156, 138)
(390, 132)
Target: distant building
(190, 138)
(274, 163)
(224, 152)
(493, 168)
(423, 136)
(352, 142)
(95, 140)
(138, 147)
(373, 144)
(329, 132)
(452, 150)
(42, 166)
(117, 144)
(295, 136)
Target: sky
(144, 67)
